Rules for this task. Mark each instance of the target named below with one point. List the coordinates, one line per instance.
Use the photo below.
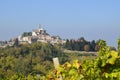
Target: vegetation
(105, 67)
(81, 45)
(27, 34)
(34, 62)
(28, 59)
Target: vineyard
(105, 67)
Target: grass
(80, 55)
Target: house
(27, 39)
(39, 35)
(39, 31)
(3, 43)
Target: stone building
(40, 35)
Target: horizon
(69, 19)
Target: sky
(72, 19)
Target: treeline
(81, 45)
(27, 59)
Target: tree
(113, 48)
(96, 48)
(27, 34)
(82, 39)
(87, 47)
(76, 46)
(16, 43)
(92, 45)
(82, 43)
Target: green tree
(27, 34)
(92, 45)
(16, 43)
(97, 48)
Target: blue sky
(92, 19)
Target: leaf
(114, 54)
(76, 64)
(106, 75)
(72, 72)
(111, 60)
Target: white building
(40, 35)
(38, 32)
(28, 39)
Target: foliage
(34, 62)
(27, 34)
(25, 60)
(80, 45)
(105, 67)
(16, 43)
(87, 48)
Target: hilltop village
(38, 35)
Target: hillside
(35, 58)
